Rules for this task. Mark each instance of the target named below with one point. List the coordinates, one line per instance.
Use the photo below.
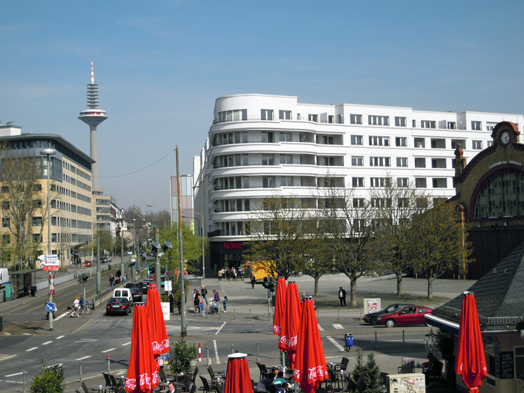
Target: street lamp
(49, 152)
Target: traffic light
(270, 284)
(83, 278)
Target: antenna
(92, 72)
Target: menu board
(505, 365)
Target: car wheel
(374, 321)
(390, 323)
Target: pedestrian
(216, 299)
(171, 302)
(111, 280)
(253, 280)
(196, 301)
(203, 293)
(342, 297)
(228, 274)
(224, 302)
(125, 277)
(220, 275)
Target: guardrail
(97, 300)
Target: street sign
(168, 286)
(50, 307)
(49, 262)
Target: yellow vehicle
(262, 269)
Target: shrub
(366, 378)
(52, 381)
(181, 355)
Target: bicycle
(87, 309)
(72, 313)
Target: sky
(160, 66)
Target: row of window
(402, 162)
(420, 182)
(76, 170)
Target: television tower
(93, 116)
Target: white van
(123, 292)
(4, 276)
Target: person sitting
(283, 389)
(279, 380)
(433, 368)
(265, 383)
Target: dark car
(137, 294)
(145, 283)
(118, 305)
(372, 316)
(411, 315)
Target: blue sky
(160, 65)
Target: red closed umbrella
(470, 360)
(290, 322)
(142, 373)
(310, 364)
(157, 326)
(238, 378)
(280, 304)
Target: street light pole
(49, 152)
(183, 321)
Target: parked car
(88, 263)
(411, 315)
(137, 294)
(392, 308)
(145, 283)
(118, 305)
(124, 292)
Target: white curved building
(262, 145)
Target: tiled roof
(499, 295)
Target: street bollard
(80, 369)
(250, 314)
(258, 350)
(403, 339)
(207, 347)
(108, 365)
(234, 314)
(375, 340)
(232, 351)
(23, 387)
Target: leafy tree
(51, 381)
(319, 258)
(162, 218)
(373, 378)
(437, 242)
(348, 222)
(394, 205)
(278, 228)
(181, 355)
(192, 248)
(106, 240)
(358, 376)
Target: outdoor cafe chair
(107, 380)
(193, 378)
(408, 366)
(116, 383)
(206, 388)
(263, 370)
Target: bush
(366, 378)
(181, 355)
(52, 381)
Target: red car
(87, 263)
(411, 315)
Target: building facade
(70, 193)
(263, 145)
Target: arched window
(502, 195)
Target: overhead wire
(139, 170)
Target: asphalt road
(244, 328)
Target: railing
(489, 321)
(305, 120)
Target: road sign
(50, 307)
(49, 262)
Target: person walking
(125, 277)
(342, 297)
(253, 280)
(220, 275)
(171, 302)
(196, 301)
(203, 293)
(111, 281)
(216, 299)
(224, 302)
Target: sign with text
(165, 310)
(168, 285)
(49, 262)
(233, 245)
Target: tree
(437, 242)
(52, 380)
(366, 378)
(278, 228)
(162, 218)
(319, 258)
(394, 205)
(106, 240)
(348, 222)
(192, 248)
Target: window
(501, 196)
(5, 205)
(37, 221)
(490, 126)
(440, 183)
(420, 182)
(357, 182)
(285, 159)
(284, 115)
(477, 145)
(438, 163)
(358, 224)
(234, 115)
(490, 143)
(420, 162)
(268, 159)
(356, 140)
(401, 141)
(403, 202)
(268, 182)
(37, 188)
(428, 124)
(378, 141)
(284, 137)
(331, 119)
(452, 125)
(456, 142)
(6, 222)
(355, 119)
(402, 181)
(357, 161)
(327, 140)
(476, 125)
(267, 137)
(400, 121)
(438, 143)
(379, 181)
(378, 120)
(6, 239)
(266, 114)
(312, 118)
(327, 161)
(37, 238)
(37, 204)
(380, 202)
(286, 181)
(413, 123)
(421, 202)
(420, 143)
(402, 162)
(359, 202)
(379, 161)
(5, 189)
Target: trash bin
(348, 338)
(33, 290)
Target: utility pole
(183, 321)
(158, 273)
(98, 277)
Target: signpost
(49, 263)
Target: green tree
(181, 355)
(374, 381)
(51, 381)
(438, 242)
(319, 258)
(359, 376)
(278, 229)
(192, 248)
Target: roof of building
(498, 294)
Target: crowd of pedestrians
(231, 274)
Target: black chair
(263, 370)
(206, 388)
(212, 374)
(107, 379)
(344, 363)
(193, 378)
